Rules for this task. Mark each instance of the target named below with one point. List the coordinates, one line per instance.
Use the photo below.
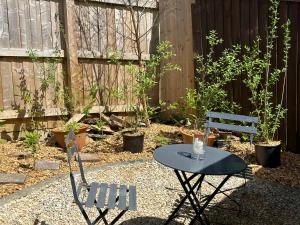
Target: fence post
(176, 27)
(74, 77)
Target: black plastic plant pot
(133, 142)
(268, 156)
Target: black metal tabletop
(216, 162)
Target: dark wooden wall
(239, 22)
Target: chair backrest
(250, 120)
(72, 150)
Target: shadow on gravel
(147, 221)
(262, 203)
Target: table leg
(209, 198)
(194, 203)
(199, 181)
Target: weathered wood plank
(22, 23)
(13, 21)
(27, 24)
(7, 84)
(74, 76)
(4, 33)
(46, 24)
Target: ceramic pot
(188, 138)
(80, 136)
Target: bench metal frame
(249, 129)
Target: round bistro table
(216, 162)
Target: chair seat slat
(112, 196)
(132, 198)
(92, 195)
(102, 195)
(122, 197)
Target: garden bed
(110, 150)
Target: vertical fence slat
(291, 81)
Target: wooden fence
(239, 22)
(85, 33)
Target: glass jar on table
(198, 143)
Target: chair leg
(101, 216)
(118, 217)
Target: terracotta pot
(188, 138)
(80, 136)
(133, 142)
(268, 156)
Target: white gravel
(158, 189)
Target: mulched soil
(110, 150)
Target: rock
(98, 136)
(12, 178)
(21, 155)
(46, 165)
(88, 157)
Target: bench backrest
(231, 118)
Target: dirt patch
(110, 150)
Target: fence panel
(98, 28)
(243, 20)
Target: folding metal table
(216, 162)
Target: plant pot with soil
(189, 134)
(146, 75)
(80, 131)
(262, 78)
(133, 141)
(268, 155)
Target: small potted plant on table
(261, 79)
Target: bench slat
(122, 197)
(238, 128)
(228, 116)
(112, 196)
(102, 195)
(132, 198)
(92, 195)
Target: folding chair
(102, 196)
(226, 121)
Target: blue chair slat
(92, 195)
(112, 196)
(132, 198)
(238, 128)
(235, 117)
(122, 197)
(102, 195)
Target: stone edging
(28, 190)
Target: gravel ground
(263, 202)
